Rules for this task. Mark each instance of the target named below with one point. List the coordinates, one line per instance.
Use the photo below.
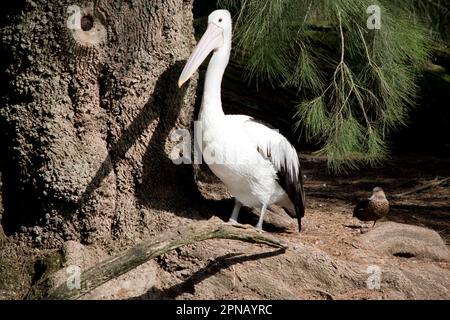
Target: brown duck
(373, 208)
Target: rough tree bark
(86, 113)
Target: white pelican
(256, 163)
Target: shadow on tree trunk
(165, 185)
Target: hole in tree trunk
(404, 255)
(87, 22)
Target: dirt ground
(332, 197)
(327, 260)
(329, 227)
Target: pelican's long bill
(212, 39)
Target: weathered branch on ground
(141, 253)
(434, 183)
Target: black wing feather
(293, 186)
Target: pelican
(256, 163)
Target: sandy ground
(329, 227)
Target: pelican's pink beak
(211, 40)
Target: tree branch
(141, 253)
(432, 184)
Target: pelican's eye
(220, 19)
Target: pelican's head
(378, 194)
(217, 38)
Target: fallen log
(129, 259)
(433, 184)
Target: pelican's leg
(235, 214)
(261, 217)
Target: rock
(403, 240)
(132, 284)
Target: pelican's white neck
(211, 108)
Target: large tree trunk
(86, 115)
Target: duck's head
(378, 193)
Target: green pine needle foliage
(357, 85)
